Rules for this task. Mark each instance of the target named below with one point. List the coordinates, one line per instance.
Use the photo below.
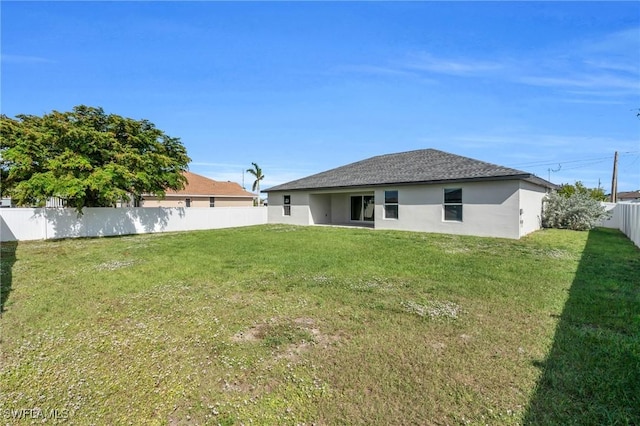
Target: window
(363, 208)
(287, 205)
(453, 204)
(390, 204)
(212, 201)
(188, 202)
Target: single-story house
(425, 190)
(200, 191)
(629, 197)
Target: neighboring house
(51, 202)
(629, 197)
(200, 191)
(425, 190)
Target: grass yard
(315, 325)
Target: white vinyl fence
(19, 224)
(625, 217)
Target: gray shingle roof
(412, 167)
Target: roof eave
(527, 177)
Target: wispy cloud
(517, 147)
(591, 101)
(572, 157)
(608, 65)
(622, 41)
(584, 81)
(375, 70)
(425, 66)
(424, 61)
(23, 59)
(605, 67)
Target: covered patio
(345, 208)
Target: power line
(554, 162)
(588, 164)
(637, 157)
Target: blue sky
(552, 88)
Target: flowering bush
(578, 212)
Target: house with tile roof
(425, 190)
(200, 191)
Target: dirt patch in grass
(288, 338)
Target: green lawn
(316, 325)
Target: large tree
(87, 158)
(567, 190)
(256, 172)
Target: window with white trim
(287, 205)
(391, 204)
(212, 201)
(452, 204)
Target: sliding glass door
(362, 208)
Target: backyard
(316, 325)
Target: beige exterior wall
(155, 202)
(507, 209)
(197, 202)
(234, 202)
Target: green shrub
(578, 211)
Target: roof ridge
(415, 166)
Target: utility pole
(549, 170)
(614, 179)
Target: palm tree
(256, 172)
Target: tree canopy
(87, 158)
(567, 190)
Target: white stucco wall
(300, 212)
(531, 197)
(316, 208)
(320, 208)
(340, 208)
(489, 209)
